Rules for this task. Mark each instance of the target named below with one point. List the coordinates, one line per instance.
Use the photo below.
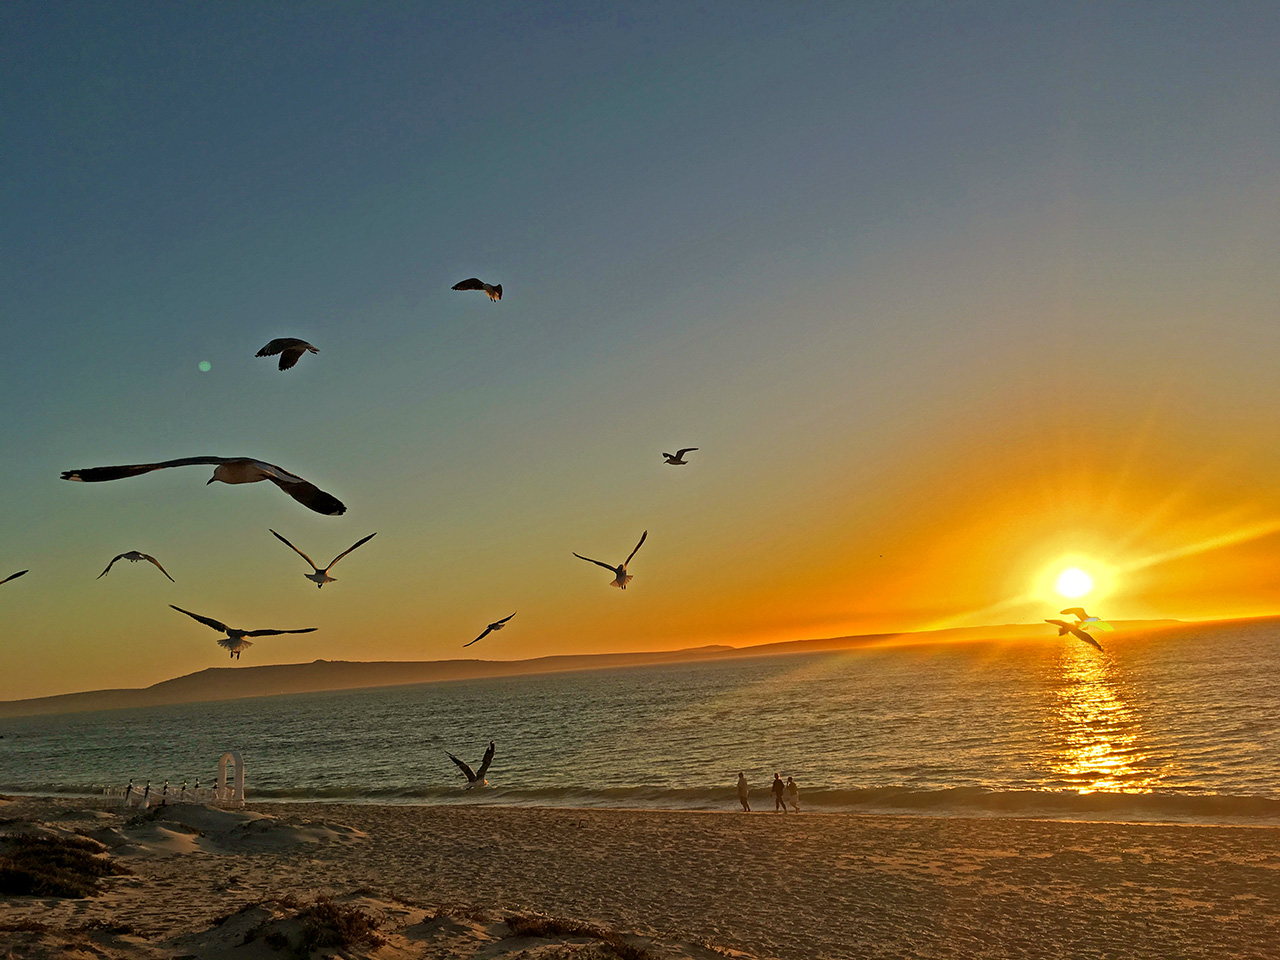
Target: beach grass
(35, 866)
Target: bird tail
(622, 581)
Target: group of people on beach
(784, 794)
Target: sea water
(1179, 725)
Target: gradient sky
(948, 297)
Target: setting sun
(1073, 583)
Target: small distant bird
(289, 348)
(15, 576)
(1064, 628)
(494, 292)
(228, 470)
(321, 577)
(134, 556)
(496, 625)
(677, 459)
(235, 639)
(621, 577)
(475, 778)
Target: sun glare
(1073, 583)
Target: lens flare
(1073, 583)
(205, 366)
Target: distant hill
(234, 683)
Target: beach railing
(227, 790)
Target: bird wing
(207, 621)
(487, 630)
(1062, 626)
(13, 576)
(349, 549)
(307, 494)
(289, 357)
(1077, 612)
(681, 453)
(598, 563)
(276, 633)
(472, 283)
(484, 763)
(109, 566)
(505, 619)
(637, 549)
(146, 556)
(464, 766)
(278, 345)
(99, 474)
(295, 549)
(1077, 632)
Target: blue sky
(941, 293)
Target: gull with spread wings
(321, 577)
(134, 556)
(235, 638)
(289, 348)
(474, 283)
(621, 577)
(227, 470)
(1074, 629)
(496, 625)
(475, 778)
(677, 459)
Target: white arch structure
(231, 792)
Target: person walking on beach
(778, 788)
(793, 795)
(743, 792)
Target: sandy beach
(441, 880)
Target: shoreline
(833, 886)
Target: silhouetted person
(793, 795)
(744, 791)
(778, 788)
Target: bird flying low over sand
(621, 577)
(228, 470)
(475, 778)
(14, 576)
(235, 639)
(1064, 628)
(134, 556)
(474, 283)
(321, 577)
(677, 459)
(496, 625)
(289, 348)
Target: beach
(689, 883)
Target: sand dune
(440, 881)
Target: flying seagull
(321, 577)
(677, 459)
(622, 578)
(496, 625)
(15, 576)
(134, 556)
(475, 778)
(494, 292)
(1064, 628)
(235, 639)
(289, 348)
(1079, 614)
(228, 470)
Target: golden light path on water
(1095, 735)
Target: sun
(1073, 583)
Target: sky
(949, 297)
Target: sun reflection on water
(1096, 736)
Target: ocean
(1181, 725)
